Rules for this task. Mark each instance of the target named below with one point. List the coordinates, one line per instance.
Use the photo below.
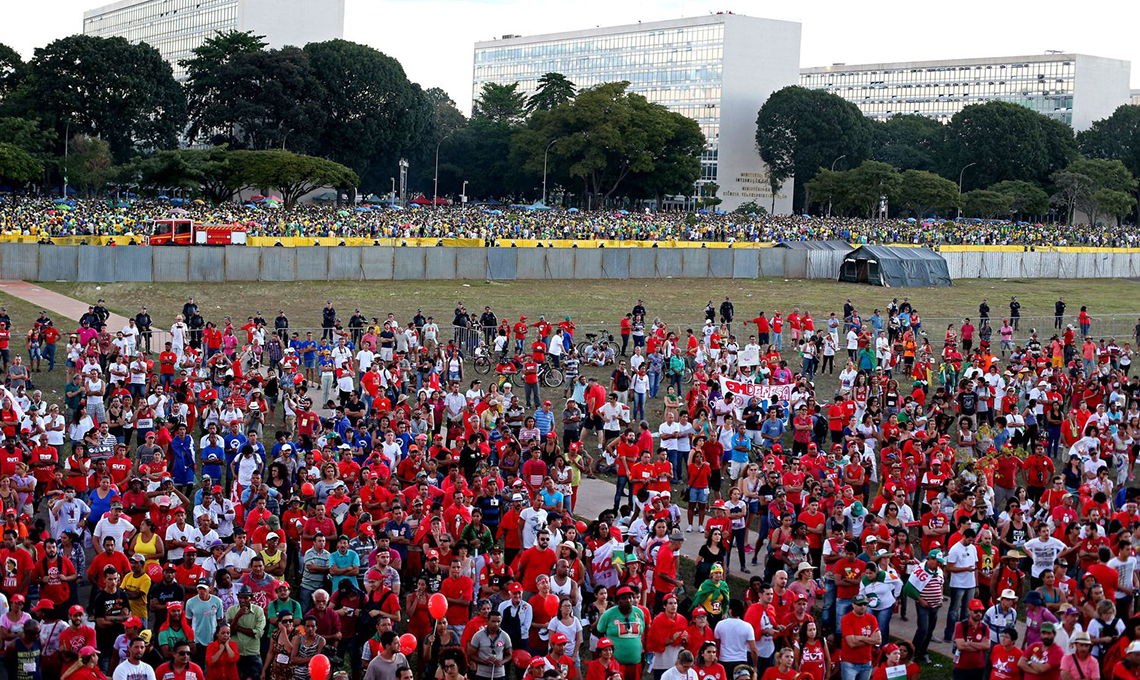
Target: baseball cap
(859, 600)
(977, 606)
(43, 604)
(203, 583)
(559, 639)
(515, 587)
(88, 651)
(75, 609)
(606, 643)
(700, 611)
(133, 622)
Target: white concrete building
(176, 27)
(1076, 89)
(717, 69)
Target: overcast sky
(433, 39)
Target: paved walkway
(597, 494)
(54, 302)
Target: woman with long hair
(706, 664)
(812, 655)
(738, 513)
(147, 542)
(304, 647)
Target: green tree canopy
(27, 134)
(18, 166)
(109, 88)
(799, 131)
(12, 70)
(923, 191)
(500, 103)
(999, 141)
(869, 183)
(1026, 199)
(89, 164)
(209, 171)
(1115, 138)
(985, 203)
(291, 174)
(908, 142)
(553, 89)
(206, 84)
(1085, 181)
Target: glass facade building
(702, 67)
(1074, 89)
(176, 27)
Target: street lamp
(960, 175)
(393, 187)
(463, 193)
(544, 154)
(833, 170)
(435, 191)
(403, 182)
(66, 139)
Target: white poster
(743, 392)
(749, 356)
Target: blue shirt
(544, 421)
(349, 559)
(743, 441)
(772, 428)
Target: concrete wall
(105, 264)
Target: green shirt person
(624, 624)
(247, 621)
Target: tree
(448, 118)
(553, 89)
(109, 88)
(707, 195)
(1073, 188)
(12, 70)
(1086, 180)
(799, 131)
(869, 183)
(828, 188)
(908, 142)
(210, 171)
(999, 141)
(205, 85)
(500, 103)
(1114, 203)
(17, 166)
(375, 114)
(88, 165)
(985, 203)
(749, 208)
(924, 191)
(291, 174)
(1115, 138)
(1026, 199)
(27, 134)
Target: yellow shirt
(142, 584)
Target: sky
(433, 39)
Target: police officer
(102, 313)
(189, 309)
(328, 320)
(281, 325)
(143, 321)
(356, 327)
(489, 322)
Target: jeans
(927, 619)
(829, 605)
(843, 606)
(638, 406)
(883, 616)
(855, 671)
(959, 598)
(677, 460)
(778, 341)
(654, 384)
(49, 354)
(531, 391)
(623, 490)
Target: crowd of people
(247, 502)
(495, 224)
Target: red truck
(179, 232)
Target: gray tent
(835, 245)
(895, 266)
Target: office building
(716, 69)
(1075, 89)
(176, 27)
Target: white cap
(272, 534)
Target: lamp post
(544, 154)
(66, 139)
(463, 193)
(404, 182)
(435, 190)
(393, 187)
(833, 170)
(960, 175)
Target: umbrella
(342, 212)
(256, 199)
(199, 201)
(573, 210)
(806, 216)
(180, 211)
(60, 200)
(395, 206)
(363, 209)
(164, 198)
(703, 211)
(248, 205)
(623, 212)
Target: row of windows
(1040, 66)
(154, 9)
(1043, 71)
(683, 38)
(928, 92)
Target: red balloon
(307, 489)
(154, 571)
(408, 644)
(551, 604)
(319, 667)
(521, 658)
(437, 606)
(580, 526)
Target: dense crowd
(256, 502)
(495, 223)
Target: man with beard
(1042, 660)
(625, 626)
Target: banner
(766, 394)
(749, 356)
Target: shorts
(736, 469)
(698, 495)
(610, 435)
(310, 362)
(593, 422)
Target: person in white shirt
(114, 525)
(131, 334)
(962, 565)
(364, 359)
(340, 354)
(204, 537)
(683, 669)
(134, 668)
(178, 536)
(219, 509)
(735, 638)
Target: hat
(857, 509)
(1133, 647)
(138, 558)
(890, 648)
(172, 606)
(676, 536)
(516, 497)
(700, 611)
(146, 635)
(977, 606)
(515, 587)
(881, 553)
(133, 622)
(1008, 594)
(1080, 637)
(203, 583)
(559, 639)
(272, 535)
(538, 662)
(1067, 610)
(216, 489)
(244, 589)
(43, 604)
(624, 590)
(804, 566)
(860, 600)
(742, 671)
(75, 609)
(88, 651)
(432, 554)
(936, 554)
(1015, 554)
(606, 643)
(188, 550)
(1034, 598)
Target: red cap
(433, 554)
(699, 611)
(606, 643)
(977, 606)
(133, 622)
(515, 587)
(75, 609)
(217, 489)
(559, 639)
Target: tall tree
(205, 87)
(985, 203)
(28, 135)
(553, 89)
(998, 141)
(500, 103)
(799, 131)
(88, 164)
(923, 191)
(1025, 199)
(908, 142)
(1115, 138)
(12, 70)
(210, 171)
(109, 88)
(1101, 189)
(871, 182)
(375, 115)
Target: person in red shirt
(848, 573)
(604, 665)
(180, 667)
(17, 564)
(459, 591)
(556, 658)
(54, 573)
(222, 655)
(76, 636)
(860, 631)
(641, 475)
(537, 560)
(783, 670)
(1104, 574)
(972, 639)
